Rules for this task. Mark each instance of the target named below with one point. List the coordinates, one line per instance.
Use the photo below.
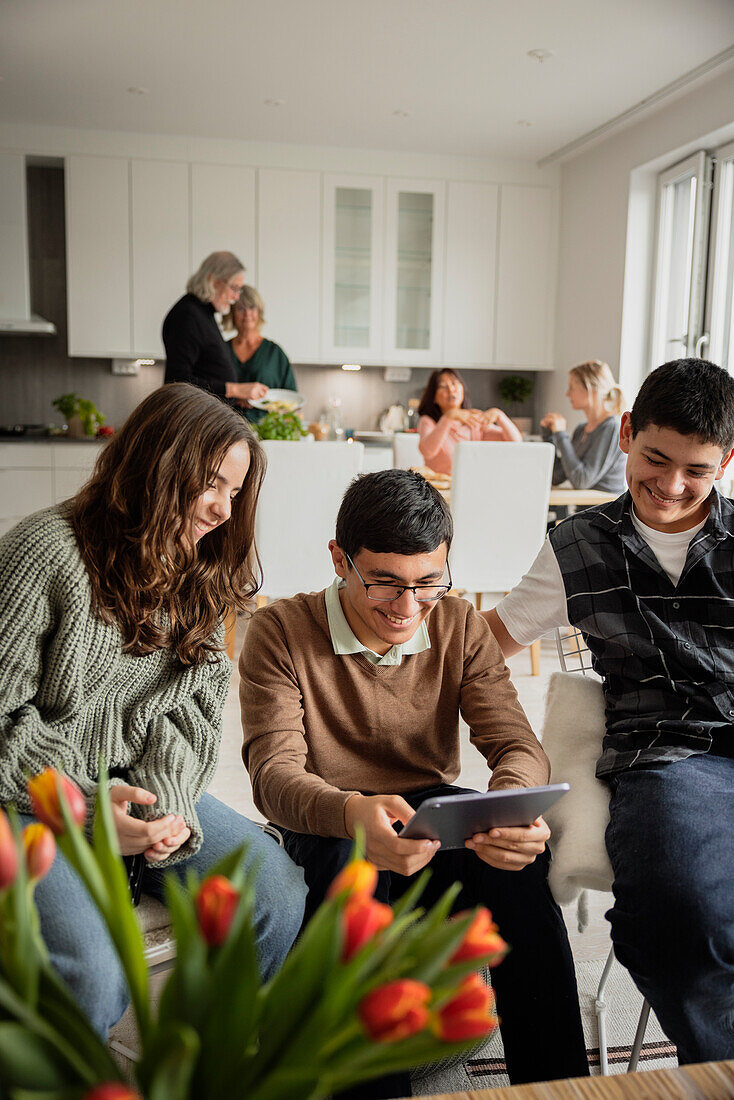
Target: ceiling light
(399, 113)
(540, 55)
(273, 102)
(351, 366)
(524, 122)
(138, 90)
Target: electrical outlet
(125, 366)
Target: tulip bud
(44, 790)
(216, 903)
(469, 1014)
(362, 919)
(114, 1090)
(395, 1011)
(8, 853)
(40, 849)
(358, 877)
(481, 939)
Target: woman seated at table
(446, 416)
(590, 458)
(256, 359)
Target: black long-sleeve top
(195, 349)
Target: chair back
(296, 513)
(406, 450)
(573, 652)
(499, 501)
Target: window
(720, 311)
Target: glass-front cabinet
(353, 268)
(414, 234)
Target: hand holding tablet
(453, 819)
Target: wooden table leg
(261, 601)
(535, 658)
(230, 629)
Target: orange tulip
(469, 1014)
(44, 790)
(216, 903)
(396, 1010)
(358, 877)
(40, 849)
(481, 939)
(8, 853)
(362, 919)
(115, 1090)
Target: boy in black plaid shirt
(649, 581)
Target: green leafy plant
(367, 989)
(515, 389)
(69, 405)
(280, 424)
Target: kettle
(394, 419)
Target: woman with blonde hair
(196, 351)
(257, 359)
(111, 649)
(590, 458)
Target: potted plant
(366, 990)
(515, 390)
(82, 417)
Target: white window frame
(721, 267)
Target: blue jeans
(670, 843)
(535, 984)
(76, 936)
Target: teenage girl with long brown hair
(111, 646)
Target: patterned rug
(485, 1069)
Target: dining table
(559, 495)
(704, 1081)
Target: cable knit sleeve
(180, 748)
(41, 593)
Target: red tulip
(469, 1014)
(362, 919)
(395, 1011)
(44, 790)
(115, 1090)
(358, 877)
(8, 853)
(481, 938)
(40, 849)
(216, 903)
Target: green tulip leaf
(28, 1061)
(175, 1051)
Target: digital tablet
(452, 819)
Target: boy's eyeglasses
(386, 593)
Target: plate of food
(280, 400)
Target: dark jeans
(535, 984)
(670, 843)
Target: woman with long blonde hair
(590, 458)
(111, 649)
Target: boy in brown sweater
(351, 700)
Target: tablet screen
(452, 819)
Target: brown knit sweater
(319, 727)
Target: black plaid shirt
(665, 652)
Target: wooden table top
(557, 496)
(706, 1081)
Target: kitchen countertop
(33, 438)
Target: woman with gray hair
(195, 349)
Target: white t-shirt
(537, 604)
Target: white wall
(595, 197)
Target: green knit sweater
(69, 694)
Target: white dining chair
(296, 513)
(499, 501)
(406, 450)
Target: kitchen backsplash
(36, 369)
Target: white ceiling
(342, 68)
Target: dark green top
(269, 365)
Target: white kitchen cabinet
(73, 464)
(223, 214)
(289, 260)
(98, 256)
(526, 276)
(37, 475)
(353, 239)
(15, 301)
(413, 281)
(471, 274)
(161, 249)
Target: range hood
(15, 294)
